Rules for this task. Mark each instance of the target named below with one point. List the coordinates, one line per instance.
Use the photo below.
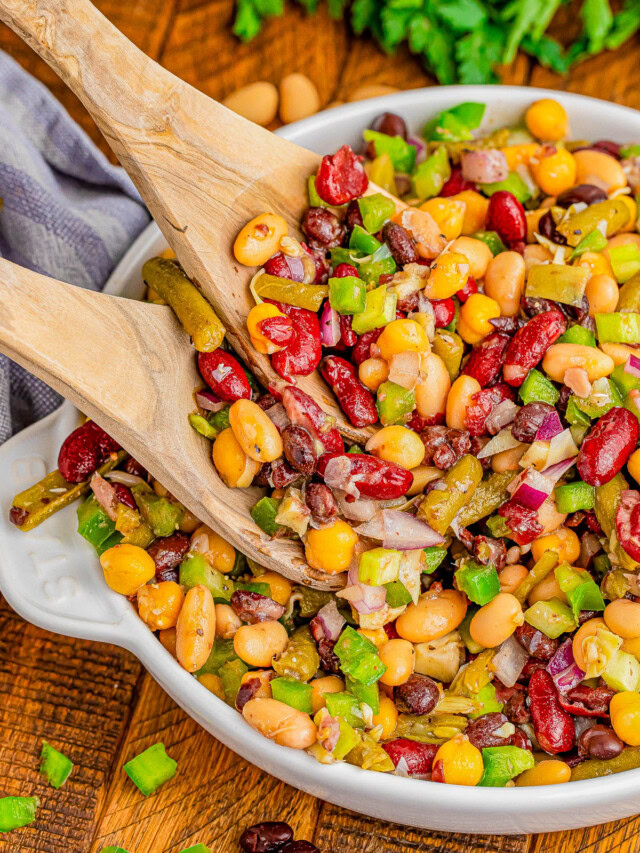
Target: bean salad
(479, 312)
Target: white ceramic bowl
(53, 579)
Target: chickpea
(258, 644)
(260, 239)
(618, 352)
(504, 281)
(476, 207)
(554, 170)
(448, 213)
(633, 213)
(330, 548)
(625, 716)
(256, 433)
(563, 541)
(279, 722)
(196, 628)
(402, 336)
(400, 658)
(511, 577)
(227, 621)
(279, 585)
(475, 315)
(216, 550)
(633, 465)
(431, 391)
(449, 274)
(596, 262)
(602, 292)
(560, 357)
(547, 119)
(435, 614)
(508, 460)
(168, 639)
(461, 761)
(126, 568)
(496, 621)
(588, 629)
(159, 604)
(623, 618)
(327, 684)
(422, 475)
(373, 372)
(477, 253)
(235, 468)
(549, 772)
(213, 683)
(459, 400)
(397, 444)
(596, 167)
(387, 717)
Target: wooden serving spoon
(130, 367)
(203, 171)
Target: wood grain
(81, 696)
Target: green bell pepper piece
(363, 241)
(380, 263)
(382, 173)
(202, 425)
(394, 402)
(375, 210)
(292, 692)
(379, 566)
(574, 496)
(625, 261)
(618, 328)
(480, 583)
(488, 700)
(256, 586)
(346, 742)
(54, 766)
(513, 184)
(492, 240)
(346, 707)
(551, 617)
(433, 556)
(622, 672)
(150, 769)
(536, 388)
(195, 570)
(574, 415)
(397, 594)
(503, 763)
(593, 242)
(264, 514)
(624, 381)
(366, 694)
(403, 155)
(632, 150)
(221, 653)
(561, 282)
(162, 515)
(581, 591)
(358, 657)
(379, 309)
(432, 174)
(347, 294)
(455, 124)
(230, 674)
(95, 525)
(578, 335)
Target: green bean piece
(300, 658)
(197, 316)
(312, 600)
(470, 679)
(629, 296)
(33, 506)
(430, 728)
(489, 495)
(440, 507)
(369, 755)
(614, 212)
(616, 584)
(593, 768)
(545, 565)
(607, 500)
(295, 293)
(450, 348)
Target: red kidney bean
(484, 731)
(520, 739)
(347, 335)
(303, 354)
(521, 521)
(321, 502)
(456, 183)
(515, 702)
(322, 228)
(265, 837)
(419, 694)
(362, 349)
(355, 400)
(485, 361)
(607, 446)
(390, 631)
(417, 424)
(400, 243)
(528, 421)
(277, 474)
(530, 343)
(418, 757)
(123, 494)
(599, 742)
(305, 412)
(535, 642)
(470, 287)
(506, 216)
(531, 666)
(85, 449)
(224, 375)
(553, 726)
(628, 522)
(132, 466)
(583, 701)
(374, 478)
(279, 330)
(443, 446)
(444, 311)
(167, 552)
(278, 265)
(583, 193)
(252, 607)
(341, 177)
(343, 270)
(18, 515)
(299, 449)
(299, 847)
(482, 404)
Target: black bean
(299, 449)
(320, 500)
(528, 421)
(265, 837)
(600, 742)
(322, 227)
(586, 193)
(400, 243)
(419, 694)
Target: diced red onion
(404, 369)
(501, 416)
(296, 268)
(530, 488)
(329, 326)
(366, 599)
(484, 166)
(420, 146)
(337, 475)
(562, 658)
(550, 426)
(400, 531)
(124, 478)
(561, 448)
(510, 661)
(209, 401)
(569, 678)
(502, 441)
(632, 366)
(277, 415)
(557, 470)
(105, 495)
(589, 546)
(331, 620)
(361, 509)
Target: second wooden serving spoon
(203, 172)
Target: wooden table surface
(95, 702)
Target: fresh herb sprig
(463, 41)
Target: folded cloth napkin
(67, 213)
